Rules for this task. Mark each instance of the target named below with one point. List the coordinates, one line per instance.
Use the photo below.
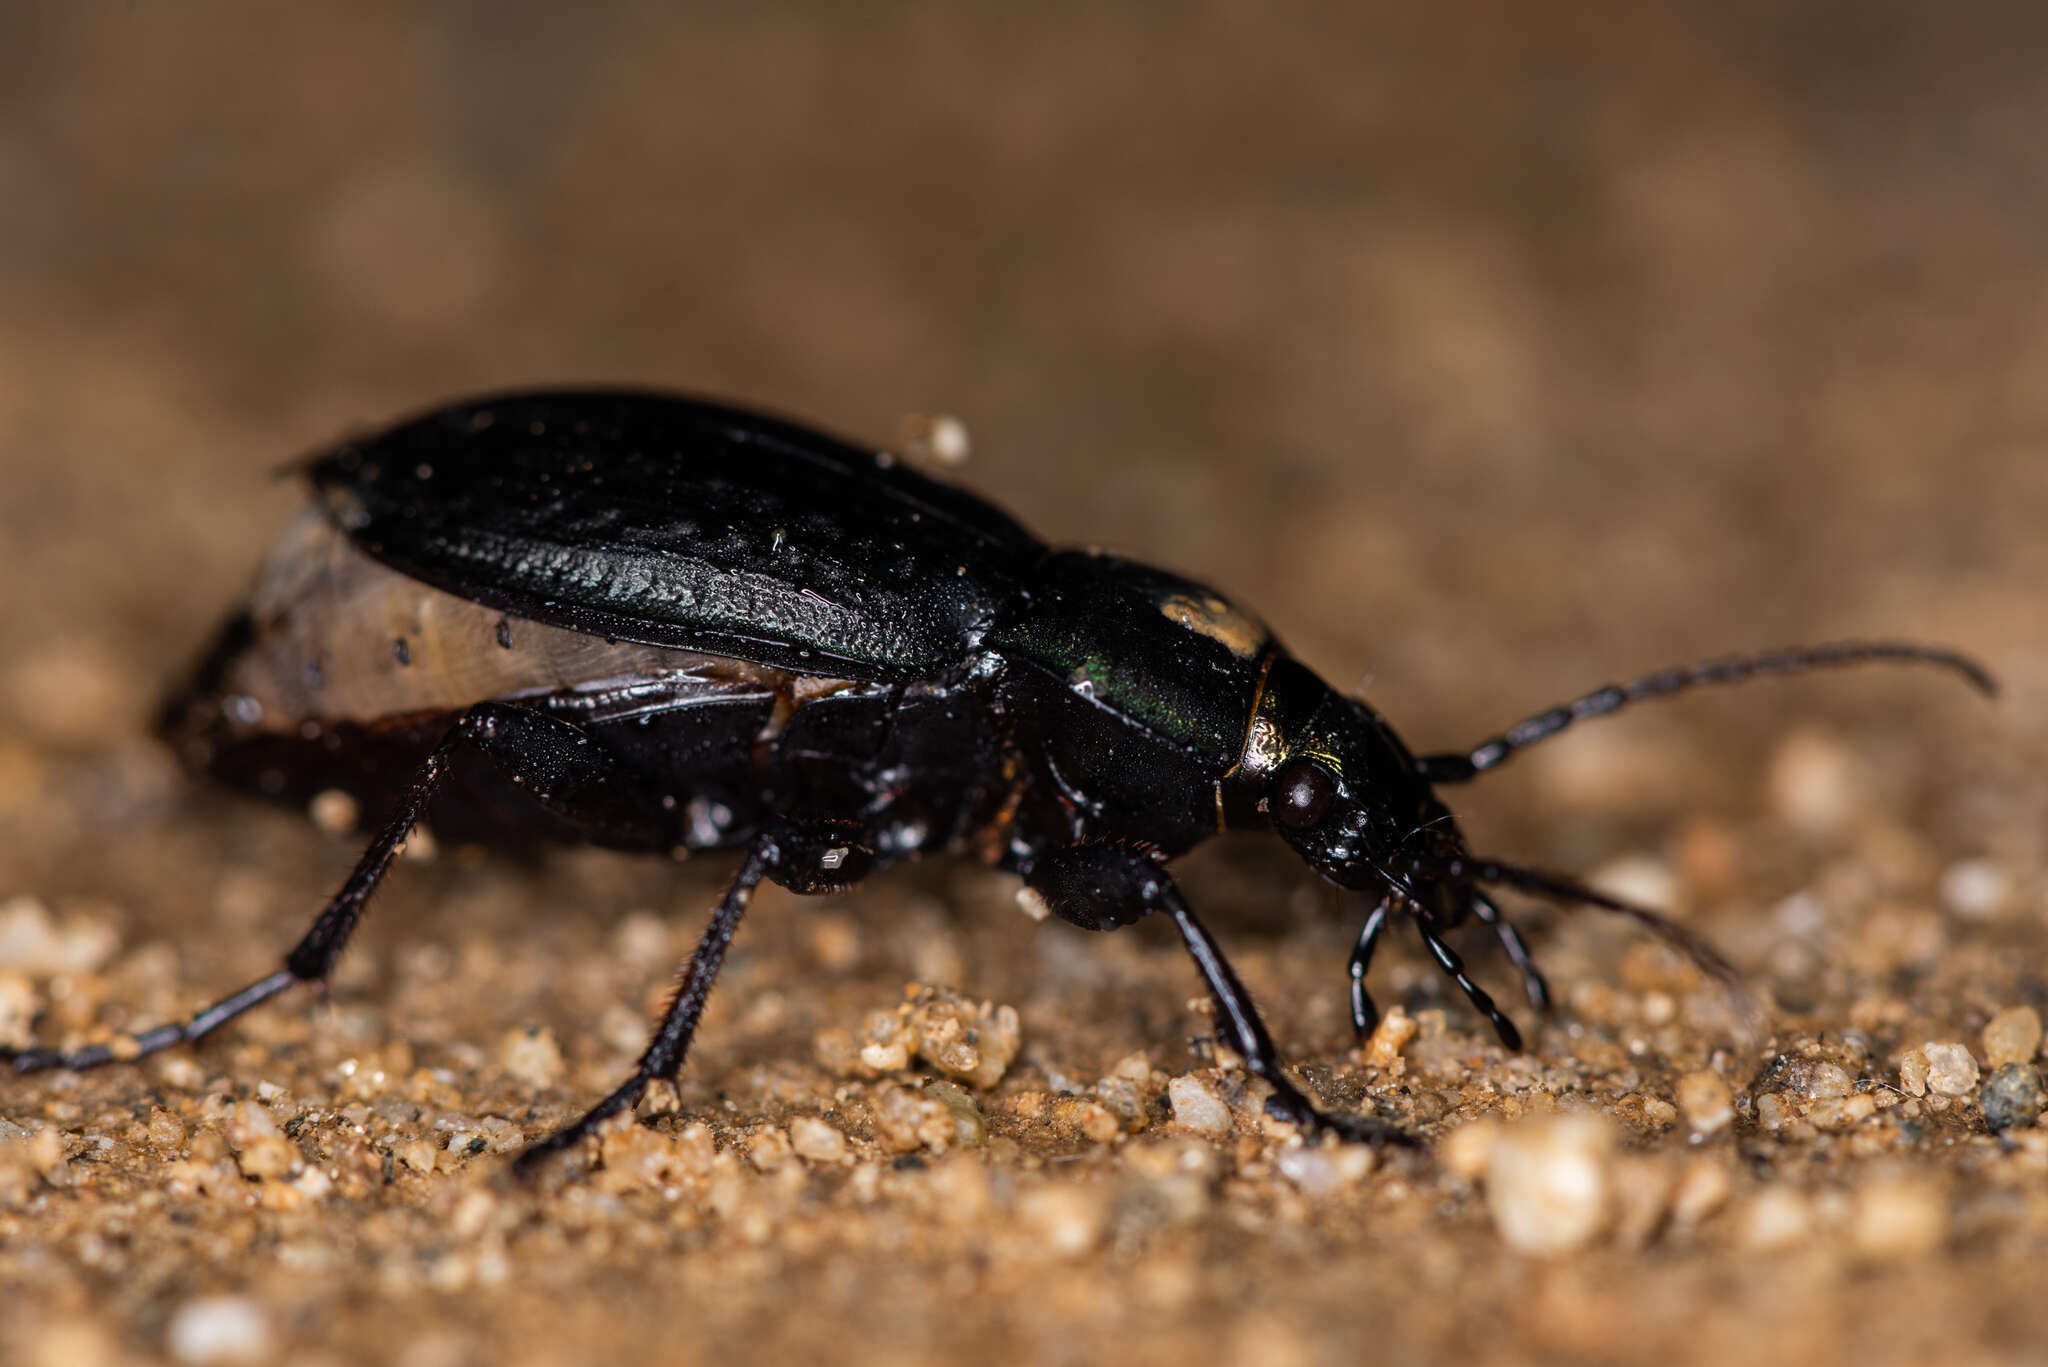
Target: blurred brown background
(1491, 350)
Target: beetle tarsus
(1290, 1105)
(1364, 1014)
(665, 1052)
(1447, 959)
(152, 1041)
(1517, 950)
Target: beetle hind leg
(552, 760)
(311, 959)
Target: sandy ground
(1492, 354)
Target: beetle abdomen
(342, 674)
(336, 637)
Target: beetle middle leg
(1102, 886)
(665, 1052)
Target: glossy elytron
(656, 624)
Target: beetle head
(1345, 793)
(1352, 800)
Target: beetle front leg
(1517, 950)
(1103, 886)
(1364, 1015)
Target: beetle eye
(1302, 795)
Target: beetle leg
(548, 756)
(665, 1052)
(1238, 1017)
(1517, 950)
(310, 960)
(1101, 886)
(1365, 1015)
(1447, 959)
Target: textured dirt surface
(1492, 354)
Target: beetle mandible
(659, 624)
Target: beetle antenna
(1459, 767)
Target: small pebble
(1950, 1069)
(1813, 782)
(906, 1121)
(1898, 1218)
(1827, 1080)
(1913, 1072)
(18, 1006)
(531, 1056)
(1640, 878)
(73, 1343)
(1465, 1151)
(1840, 1112)
(333, 812)
(1777, 1217)
(1068, 1218)
(1197, 1105)
(768, 1148)
(884, 1043)
(1383, 1048)
(815, 1141)
(1975, 889)
(260, 1148)
(226, 1329)
(32, 943)
(2012, 1036)
(935, 438)
(639, 1156)
(1547, 1182)
(166, 1133)
(961, 1039)
(975, 1043)
(1321, 1170)
(1706, 1101)
(2012, 1097)
(1774, 1111)
(1702, 1190)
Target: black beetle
(659, 624)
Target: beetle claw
(1352, 1128)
